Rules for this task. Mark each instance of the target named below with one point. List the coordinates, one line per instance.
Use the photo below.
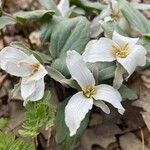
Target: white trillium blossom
(109, 13)
(63, 7)
(123, 49)
(19, 64)
(80, 103)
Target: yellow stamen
(120, 52)
(116, 16)
(35, 68)
(89, 91)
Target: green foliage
(74, 36)
(102, 70)
(3, 123)
(38, 114)
(136, 20)
(69, 34)
(47, 28)
(87, 5)
(127, 94)
(57, 76)
(4, 20)
(9, 142)
(141, 6)
(120, 74)
(62, 131)
(50, 5)
(23, 16)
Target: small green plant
(38, 114)
(9, 141)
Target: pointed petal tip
(72, 133)
(121, 111)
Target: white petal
(38, 74)
(9, 61)
(137, 57)
(105, 13)
(122, 40)
(109, 94)
(115, 6)
(76, 110)
(96, 27)
(63, 7)
(99, 50)
(79, 70)
(32, 91)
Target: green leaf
(62, 131)
(141, 6)
(3, 123)
(4, 20)
(47, 28)
(102, 70)
(87, 5)
(147, 35)
(127, 93)
(38, 114)
(120, 74)
(9, 142)
(57, 76)
(23, 16)
(50, 5)
(69, 34)
(102, 105)
(136, 20)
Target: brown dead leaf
(97, 139)
(16, 112)
(1, 44)
(130, 142)
(35, 38)
(146, 78)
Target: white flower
(63, 7)
(80, 103)
(111, 12)
(123, 49)
(19, 64)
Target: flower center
(120, 52)
(89, 91)
(116, 16)
(35, 68)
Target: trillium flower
(63, 7)
(19, 64)
(123, 49)
(80, 103)
(110, 13)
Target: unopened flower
(19, 64)
(80, 103)
(63, 7)
(123, 49)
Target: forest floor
(105, 132)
